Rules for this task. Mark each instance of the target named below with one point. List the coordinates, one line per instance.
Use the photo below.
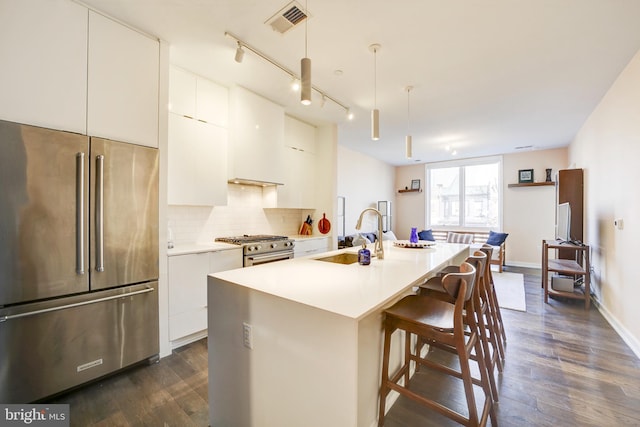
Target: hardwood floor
(564, 367)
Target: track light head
(239, 53)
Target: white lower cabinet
(305, 247)
(188, 290)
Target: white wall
(529, 212)
(363, 181)
(410, 207)
(608, 148)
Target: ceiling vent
(287, 18)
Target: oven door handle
(271, 256)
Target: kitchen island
(299, 342)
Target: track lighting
(295, 84)
(242, 46)
(239, 53)
(375, 114)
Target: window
(465, 194)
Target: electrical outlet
(247, 335)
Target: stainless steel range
(261, 249)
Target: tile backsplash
(245, 213)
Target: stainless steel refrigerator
(78, 259)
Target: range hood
(245, 181)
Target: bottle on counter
(414, 235)
(364, 255)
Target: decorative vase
(548, 175)
(414, 235)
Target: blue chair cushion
(426, 235)
(496, 239)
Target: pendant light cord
(306, 24)
(408, 108)
(375, 78)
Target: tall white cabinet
(198, 140)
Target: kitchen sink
(343, 258)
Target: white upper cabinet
(299, 135)
(43, 77)
(182, 92)
(256, 139)
(197, 97)
(212, 103)
(123, 79)
(300, 141)
(197, 163)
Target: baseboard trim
(188, 339)
(628, 338)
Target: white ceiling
(489, 76)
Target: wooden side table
(578, 267)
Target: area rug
(510, 290)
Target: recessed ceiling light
(338, 72)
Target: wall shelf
(416, 190)
(532, 184)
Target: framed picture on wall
(525, 176)
(415, 184)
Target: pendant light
(375, 114)
(408, 139)
(305, 67)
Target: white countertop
(195, 248)
(308, 237)
(351, 290)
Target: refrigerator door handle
(100, 213)
(77, 304)
(80, 213)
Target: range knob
(274, 245)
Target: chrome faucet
(378, 247)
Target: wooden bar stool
(444, 323)
(495, 307)
(433, 288)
